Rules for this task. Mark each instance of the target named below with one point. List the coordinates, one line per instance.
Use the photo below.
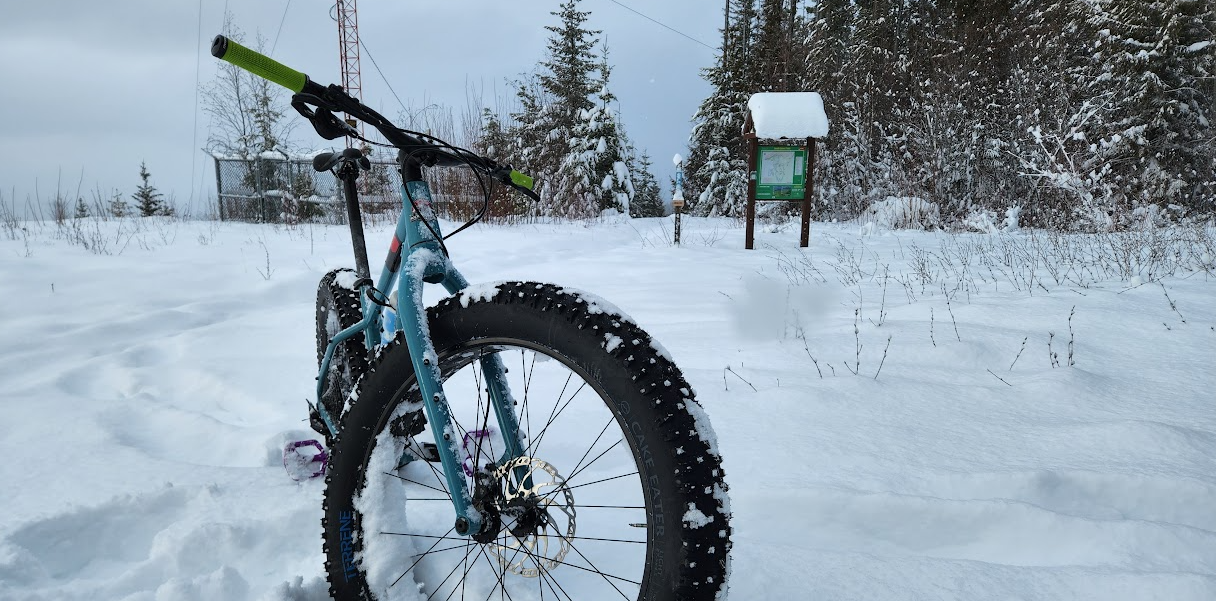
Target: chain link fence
(277, 189)
(271, 189)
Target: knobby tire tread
(691, 479)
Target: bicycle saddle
(328, 160)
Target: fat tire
(349, 363)
(686, 560)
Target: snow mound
(903, 213)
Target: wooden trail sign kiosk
(781, 129)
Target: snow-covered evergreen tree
(647, 199)
(1158, 60)
(567, 81)
(716, 168)
(494, 143)
(566, 131)
(1077, 113)
(576, 190)
(610, 154)
(525, 132)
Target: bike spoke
(592, 569)
(424, 554)
(445, 537)
(439, 477)
(463, 578)
(588, 451)
(473, 570)
(438, 551)
(502, 585)
(601, 572)
(478, 380)
(549, 580)
(608, 540)
(527, 387)
(581, 506)
(553, 415)
(403, 478)
(604, 480)
(439, 587)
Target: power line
(661, 24)
(198, 47)
(390, 86)
(276, 35)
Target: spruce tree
(775, 48)
(494, 142)
(610, 164)
(82, 210)
(716, 168)
(118, 206)
(146, 197)
(829, 65)
(569, 135)
(567, 72)
(526, 133)
(1050, 116)
(1160, 62)
(567, 83)
(647, 200)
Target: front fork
(424, 262)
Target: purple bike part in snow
(467, 464)
(320, 457)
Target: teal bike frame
(414, 259)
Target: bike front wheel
(619, 493)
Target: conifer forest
(1088, 115)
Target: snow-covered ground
(147, 395)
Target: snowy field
(902, 415)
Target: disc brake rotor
(532, 542)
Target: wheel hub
(536, 517)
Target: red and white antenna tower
(348, 48)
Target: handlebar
(258, 64)
(335, 98)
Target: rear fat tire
(338, 308)
(685, 559)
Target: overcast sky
(92, 88)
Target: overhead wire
(661, 24)
(198, 60)
(390, 86)
(276, 35)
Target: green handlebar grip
(258, 64)
(522, 180)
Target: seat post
(349, 173)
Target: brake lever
(520, 182)
(328, 125)
(530, 193)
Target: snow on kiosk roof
(777, 115)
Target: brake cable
(334, 127)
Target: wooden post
(219, 187)
(752, 176)
(808, 186)
(679, 207)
